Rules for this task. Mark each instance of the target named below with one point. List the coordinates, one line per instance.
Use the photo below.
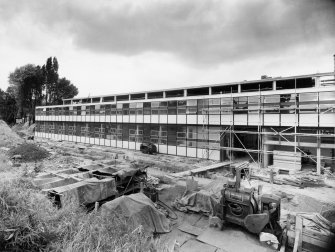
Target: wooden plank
(283, 244)
(201, 169)
(299, 227)
(296, 240)
(187, 228)
(307, 240)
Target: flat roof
(211, 85)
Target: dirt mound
(29, 152)
(8, 137)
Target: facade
(224, 121)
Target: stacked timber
(287, 161)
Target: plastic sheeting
(140, 210)
(204, 201)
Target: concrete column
(274, 85)
(185, 92)
(266, 148)
(146, 96)
(210, 90)
(239, 88)
(317, 82)
(265, 156)
(129, 98)
(164, 94)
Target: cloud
(199, 32)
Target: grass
(4, 166)
(29, 221)
(29, 152)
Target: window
(271, 104)
(181, 135)
(240, 105)
(214, 107)
(172, 107)
(327, 102)
(308, 103)
(203, 107)
(181, 107)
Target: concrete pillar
(317, 82)
(210, 90)
(266, 148)
(129, 97)
(274, 85)
(146, 96)
(185, 92)
(265, 156)
(239, 88)
(164, 94)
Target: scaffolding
(262, 135)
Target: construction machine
(248, 208)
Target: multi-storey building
(221, 121)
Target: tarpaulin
(204, 201)
(140, 210)
(85, 192)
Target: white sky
(119, 46)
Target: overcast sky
(120, 46)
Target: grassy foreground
(30, 222)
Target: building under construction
(287, 122)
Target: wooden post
(298, 234)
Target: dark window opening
(174, 93)
(96, 99)
(122, 98)
(155, 95)
(137, 96)
(108, 99)
(88, 100)
(225, 89)
(197, 91)
(305, 83)
(285, 84)
(252, 87)
(67, 102)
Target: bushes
(29, 221)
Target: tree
(7, 106)
(50, 72)
(30, 85)
(26, 84)
(64, 89)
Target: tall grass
(29, 221)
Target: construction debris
(89, 184)
(309, 231)
(269, 239)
